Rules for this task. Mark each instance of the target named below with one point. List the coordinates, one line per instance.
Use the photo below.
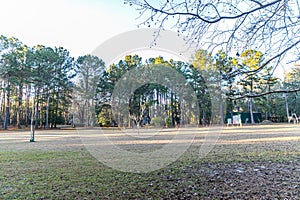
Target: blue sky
(77, 25)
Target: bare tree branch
(270, 26)
(237, 72)
(205, 6)
(265, 93)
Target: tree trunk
(32, 129)
(18, 118)
(220, 99)
(52, 119)
(19, 107)
(6, 118)
(56, 112)
(251, 111)
(47, 114)
(286, 107)
(172, 110)
(27, 110)
(251, 103)
(37, 114)
(86, 113)
(221, 113)
(203, 118)
(129, 121)
(92, 113)
(2, 109)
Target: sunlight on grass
(273, 139)
(58, 166)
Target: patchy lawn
(251, 162)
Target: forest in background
(49, 87)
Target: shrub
(158, 121)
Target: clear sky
(77, 25)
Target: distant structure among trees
(48, 87)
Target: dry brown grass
(255, 162)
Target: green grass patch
(77, 175)
(231, 170)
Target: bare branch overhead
(271, 26)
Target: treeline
(160, 103)
(49, 87)
(36, 84)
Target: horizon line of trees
(49, 87)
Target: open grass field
(249, 162)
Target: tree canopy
(46, 87)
